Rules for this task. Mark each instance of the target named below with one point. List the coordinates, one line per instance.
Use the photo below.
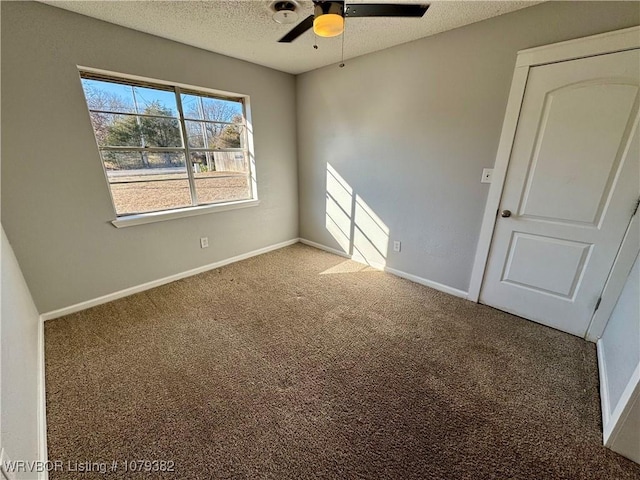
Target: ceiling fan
(328, 17)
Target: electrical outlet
(204, 242)
(396, 245)
(487, 173)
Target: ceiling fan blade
(385, 10)
(298, 30)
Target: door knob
(505, 213)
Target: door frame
(604, 43)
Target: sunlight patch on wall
(370, 235)
(353, 224)
(339, 200)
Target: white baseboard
(399, 273)
(604, 387)
(319, 246)
(614, 416)
(162, 281)
(42, 404)
(621, 411)
(624, 438)
(428, 283)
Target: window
(166, 147)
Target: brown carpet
(299, 364)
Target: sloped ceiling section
(245, 29)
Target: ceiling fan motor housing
(284, 11)
(284, 5)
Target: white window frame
(170, 214)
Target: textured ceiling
(244, 28)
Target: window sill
(142, 218)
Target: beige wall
(55, 202)
(409, 130)
(18, 363)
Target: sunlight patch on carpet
(349, 266)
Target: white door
(571, 188)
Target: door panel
(572, 182)
(578, 122)
(559, 275)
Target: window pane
(107, 96)
(221, 176)
(135, 131)
(141, 160)
(102, 124)
(210, 161)
(196, 134)
(212, 109)
(160, 132)
(116, 97)
(156, 102)
(230, 137)
(146, 182)
(216, 188)
(116, 130)
(215, 135)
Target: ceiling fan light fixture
(329, 15)
(328, 25)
